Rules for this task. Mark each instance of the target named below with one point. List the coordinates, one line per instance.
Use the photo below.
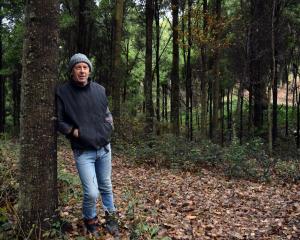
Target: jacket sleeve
(62, 126)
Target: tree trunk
(185, 69)
(189, 92)
(38, 170)
(256, 57)
(116, 68)
(157, 28)
(216, 80)
(148, 68)
(241, 118)
(275, 37)
(82, 27)
(175, 71)
(165, 102)
(222, 116)
(203, 99)
(298, 121)
(127, 73)
(286, 75)
(2, 85)
(229, 112)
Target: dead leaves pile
(188, 206)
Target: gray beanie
(77, 58)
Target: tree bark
(189, 91)
(82, 27)
(175, 71)
(148, 68)
(286, 76)
(258, 27)
(116, 68)
(277, 8)
(203, 99)
(2, 85)
(216, 80)
(157, 28)
(38, 170)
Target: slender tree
(38, 171)
(216, 81)
(203, 96)
(116, 70)
(2, 85)
(276, 15)
(175, 71)
(148, 67)
(157, 29)
(189, 91)
(286, 76)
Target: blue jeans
(94, 168)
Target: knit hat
(77, 58)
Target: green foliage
(287, 170)
(69, 187)
(56, 230)
(145, 231)
(174, 152)
(66, 20)
(248, 160)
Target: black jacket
(85, 108)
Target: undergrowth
(249, 160)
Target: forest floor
(156, 203)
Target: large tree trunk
(148, 68)
(38, 169)
(2, 85)
(175, 72)
(116, 71)
(256, 65)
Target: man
(83, 116)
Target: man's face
(80, 73)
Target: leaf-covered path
(182, 205)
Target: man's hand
(76, 133)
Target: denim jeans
(94, 168)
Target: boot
(92, 226)
(111, 223)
